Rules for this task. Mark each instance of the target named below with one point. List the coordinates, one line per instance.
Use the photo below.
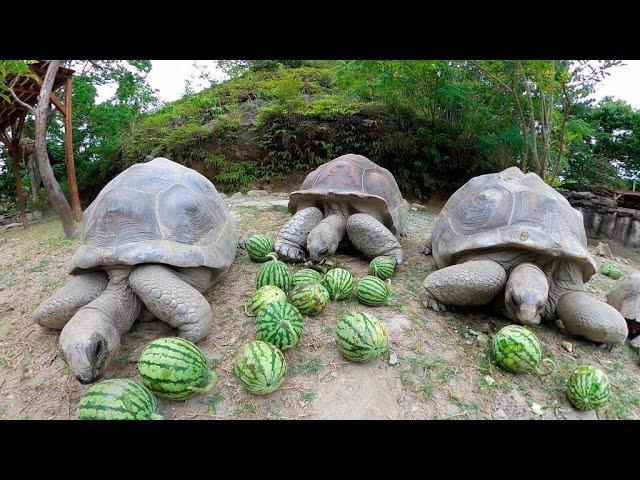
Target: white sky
(168, 77)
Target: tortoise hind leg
(469, 284)
(293, 235)
(372, 238)
(172, 300)
(81, 289)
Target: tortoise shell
(625, 296)
(513, 210)
(359, 183)
(157, 212)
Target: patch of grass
(213, 401)
(308, 396)
(307, 366)
(248, 408)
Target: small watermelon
(118, 399)
(260, 367)
(339, 283)
(310, 298)
(280, 324)
(372, 291)
(175, 368)
(258, 247)
(517, 349)
(361, 337)
(275, 273)
(382, 267)
(264, 296)
(588, 388)
(305, 275)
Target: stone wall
(604, 219)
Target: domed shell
(157, 212)
(625, 296)
(514, 210)
(359, 183)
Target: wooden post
(15, 157)
(68, 147)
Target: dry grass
(443, 368)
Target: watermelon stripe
(196, 357)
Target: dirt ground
(443, 370)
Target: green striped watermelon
(118, 399)
(361, 337)
(305, 275)
(260, 367)
(310, 298)
(258, 247)
(175, 368)
(588, 388)
(264, 296)
(275, 273)
(382, 267)
(372, 291)
(339, 283)
(280, 324)
(517, 349)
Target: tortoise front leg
(172, 300)
(583, 315)
(293, 235)
(470, 284)
(81, 289)
(372, 238)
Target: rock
(453, 410)
(2, 287)
(573, 414)
(537, 409)
(568, 346)
(489, 380)
(500, 414)
(604, 250)
(393, 358)
(398, 323)
(635, 344)
(236, 196)
(223, 195)
(12, 225)
(257, 193)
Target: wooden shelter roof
(27, 89)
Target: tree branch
(15, 97)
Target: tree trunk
(34, 177)
(532, 126)
(56, 196)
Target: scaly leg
(372, 238)
(293, 235)
(58, 309)
(470, 284)
(172, 300)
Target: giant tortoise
(348, 194)
(510, 240)
(157, 235)
(625, 297)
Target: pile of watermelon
(171, 368)
(517, 349)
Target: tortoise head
(526, 294)
(88, 343)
